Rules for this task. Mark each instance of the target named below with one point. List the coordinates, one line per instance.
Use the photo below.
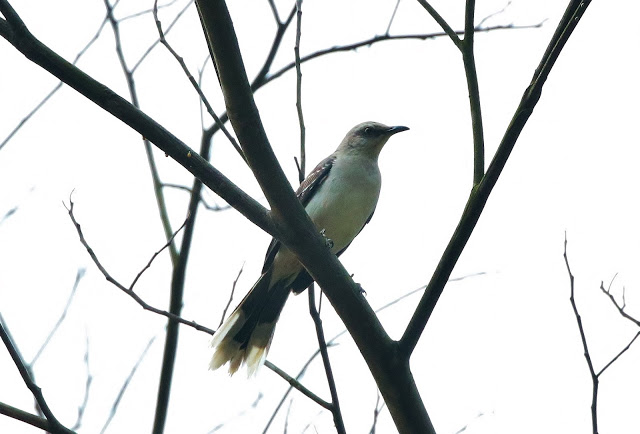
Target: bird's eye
(368, 130)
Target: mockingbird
(339, 195)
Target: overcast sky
(502, 353)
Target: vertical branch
(594, 377)
(466, 48)
(335, 404)
(157, 184)
(468, 59)
(296, 49)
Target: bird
(340, 196)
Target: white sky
(504, 344)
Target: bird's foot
(360, 288)
(328, 241)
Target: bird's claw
(360, 288)
(328, 241)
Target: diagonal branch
(298, 233)
(79, 276)
(54, 425)
(193, 81)
(480, 193)
(31, 419)
(16, 33)
(129, 291)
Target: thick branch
(391, 372)
(20, 37)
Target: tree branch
(53, 424)
(480, 193)
(594, 377)
(322, 344)
(298, 233)
(40, 54)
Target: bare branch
(617, 356)
(620, 307)
(79, 276)
(233, 290)
(393, 15)
(31, 419)
(317, 321)
(125, 386)
(166, 32)
(155, 176)
(193, 82)
(441, 22)
(57, 87)
(493, 15)
(87, 387)
(376, 412)
(54, 425)
(594, 377)
(123, 288)
(296, 49)
(295, 384)
(381, 38)
(480, 193)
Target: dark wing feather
(304, 193)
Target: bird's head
(368, 138)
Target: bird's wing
(304, 193)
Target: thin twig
(332, 342)
(87, 387)
(621, 308)
(55, 425)
(193, 82)
(494, 14)
(380, 38)
(240, 414)
(296, 49)
(155, 176)
(166, 32)
(376, 412)
(393, 15)
(79, 276)
(335, 407)
(155, 255)
(620, 353)
(57, 87)
(233, 290)
(441, 22)
(146, 11)
(125, 386)
(123, 288)
(587, 355)
(295, 384)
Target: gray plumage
(340, 196)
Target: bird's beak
(393, 130)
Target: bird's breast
(346, 200)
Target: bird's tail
(246, 334)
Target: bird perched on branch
(339, 195)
